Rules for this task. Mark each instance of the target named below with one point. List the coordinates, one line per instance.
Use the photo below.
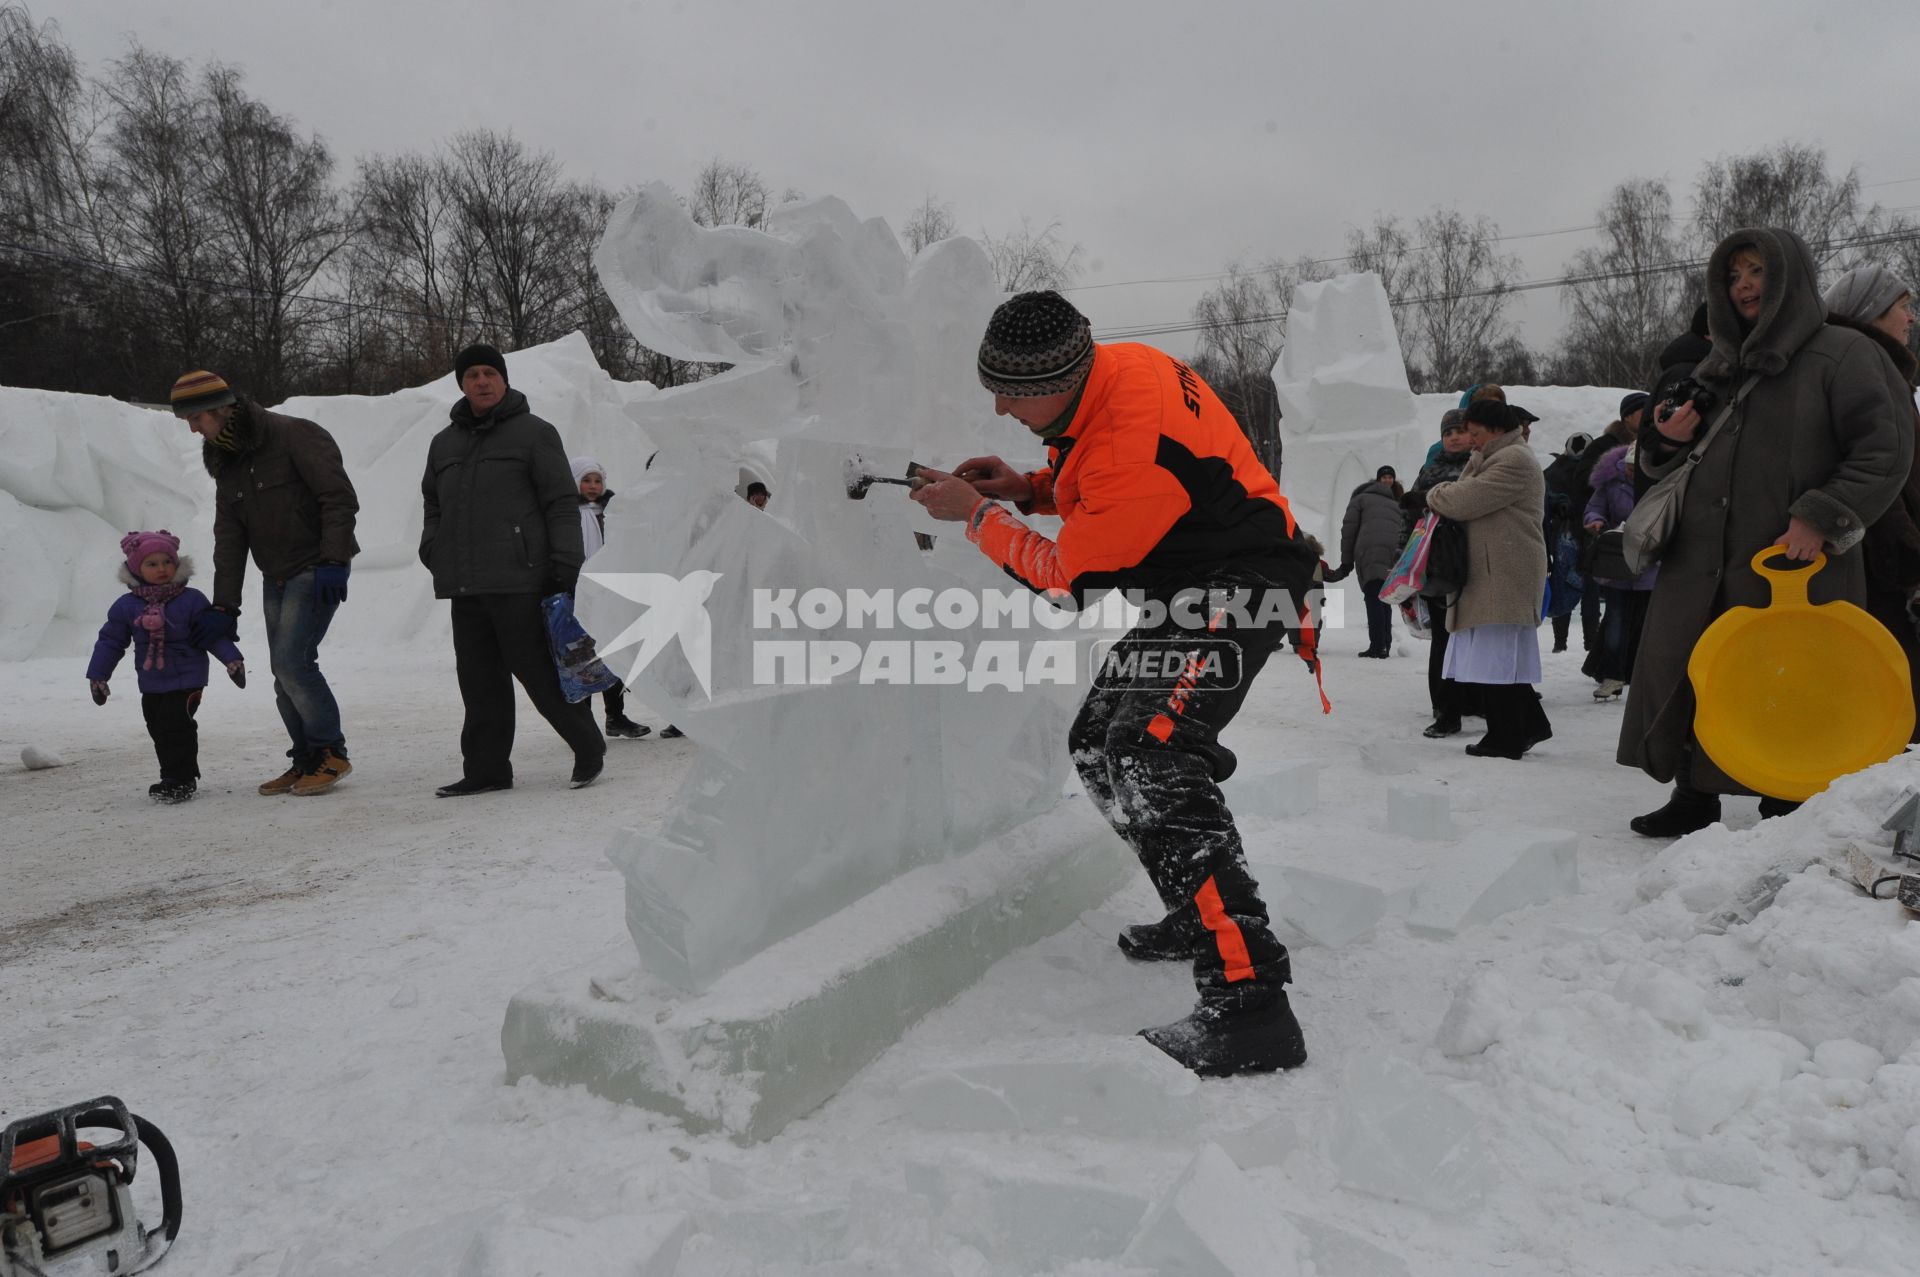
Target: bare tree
(1386, 249)
(930, 222)
(728, 193)
(283, 224)
(516, 230)
(1789, 187)
(1025, 259)
(404, 253)
(1242, 323)
(1456, 285)
(1628, 295)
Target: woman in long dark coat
(1809, 459)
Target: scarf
(154, 620)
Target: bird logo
(675, 607)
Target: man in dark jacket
(1370, 543)
(280, 491)
(502, 531)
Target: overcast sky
(1168, 140)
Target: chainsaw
(66, 1203)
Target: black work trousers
(1148, 749)
(498, 638)
(176, 737)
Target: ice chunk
(1398, 1135)
(645, 1245)
(1480, 1014)
(1025, 1222)
(1290, 790)
(1323, 908)
(1388, 758)
(1336, 1253)
(1267, 1142)
(1136, 1095)
(1493, 873)
(1722, 1087)
(1344, 401)
(1214, 1223)
(1420, 809)
(1845, 1058)
(1668, 996)
(38, 758)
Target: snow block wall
(78, 471)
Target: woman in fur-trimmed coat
(1809, 459)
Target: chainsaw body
(66, 1203)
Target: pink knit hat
(138, 545)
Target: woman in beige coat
(1494, 620)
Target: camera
(1703, 399)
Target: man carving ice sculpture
(1160, 495)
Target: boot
(671, 733)
(586, 771)
(1539, 728)
(1215, 1041)
(172, 791)
(1608, 689)
(463, 787)
(619, 726)
(328, 770)
(1446, 725)
(1685, 812)
(285, 781)
(1175, 938)
(1771, 807)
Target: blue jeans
(296, 622)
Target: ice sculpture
(1345, 406)
(812, 795)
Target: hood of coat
(1612, 466)
(246, 422)
(1791, 309)
(1903, 359)
(511, 404)
(182, 574)
(1687, 348)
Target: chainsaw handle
(168, 1166)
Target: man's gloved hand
(211, 625)
(237, 671)
(100, 690)
(559, 584)
(329, 584)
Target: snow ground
(307, 996)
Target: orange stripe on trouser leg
(1226, 932)
(1161, 728)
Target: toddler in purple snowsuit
(156, 616)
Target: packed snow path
(306, 994)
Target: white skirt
(1493, 654)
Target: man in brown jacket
(282, 492)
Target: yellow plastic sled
(1793, 696)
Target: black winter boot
(1686, 811)
(1215, 1041)
(1771, 807)
(172, 791)
(623, 728)
(1175, 938)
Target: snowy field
(306, 995)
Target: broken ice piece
(1397, 1134)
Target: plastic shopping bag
(582, 672)
(1410, 572)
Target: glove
(559, 585)
(329, 584)
(211, 625)
(237, 671)
(1340, 573)
(100, 691)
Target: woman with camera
(1811, 453)
(1494, 620)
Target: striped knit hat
(199, 391)
(1036, 344)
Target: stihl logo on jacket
(1155, 485)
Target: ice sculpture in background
(809, 799)
(1345, 408)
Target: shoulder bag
(1656, 516)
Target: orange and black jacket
(1157, 490)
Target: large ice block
(1320, 908)
(1494, 872)
(1419, 808)
(1024, 1221)
(775, 1036)
(1291, 789)
(1397, 1134)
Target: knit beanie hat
(1633, 403)
(479, 353)
(1482, 390)
(138, 545)
(584, 465)
(199, 391)
(1452, 417)
(1036, 344)
(1865, 293)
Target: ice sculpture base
(775, 1037)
